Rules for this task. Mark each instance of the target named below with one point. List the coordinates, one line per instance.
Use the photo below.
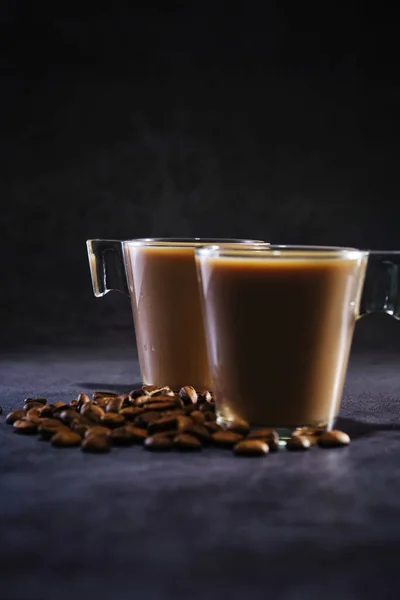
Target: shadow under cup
(279, 324)
(159, 274)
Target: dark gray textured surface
(133, 524)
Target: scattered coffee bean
(149, 389)
(46, 411)
(97, 395)
(158, 442)
(251, 448)
(184, 441)
(15, 415)
(82, 399)
(37, 400)
(136, 394)
(114, 405)
(25, 426)
(69, 416)
(204, 397)
(96, 444)
(33, 415)
(273, 444)
(212, 426)
(183, 422)
(98, 430)
(264, 434)
(197, 417)
(142, 400)
(125, 400)
(226, 439)
(121, 437)
(92, 412)
(58, 406)
(138, 434)
(298, 443)
(131, 412)
(163, 391)
(333, 439)
(29, 405)
(65, 439)
(49, 427)
(238, 426)
(162, 424)
(79, 428)
(161, 406)
(112, 420)
(146, 418)
(188, 394)
(200, 432)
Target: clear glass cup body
(279, 323)
(159, 274)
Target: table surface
(152, 526)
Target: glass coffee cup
(159, 274)
(279, 323)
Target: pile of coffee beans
(156, 417)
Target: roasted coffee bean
(200, 432)
(158, 442)
(97, 395)
(149, 389)
(204, 397)
(138, 434)
(15, 415)
(263, 434)
(136, 393)
(161, 406)
(251, 448)
(98, 430)
(210, 416)
(212, 426)
(131, 412)
(65, 439)
(162, 424)
(82, 399)
(142, 400)
(121, 437)
(33, 414)
(171, 433)
(49, 427)
(46, 411)
(238, 426)
(114, 405)
(182, 422)
(37, 400)
(184, 441)
(69, 416)
(226, 439)
(25, 426)
(197, 417)
(79, 428)
(73, 404)
(146, 418)
(188, 394)
(29, 405)
(333, 439)
(113, 420)
(92, 412)
(125, 400)
(189, 408)
(58, 406)
(96, 444)
(273, 444)
(162, 391)
(298, 443)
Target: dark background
(187, 118)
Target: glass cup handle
(107, 266)
(381, 292)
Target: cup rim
(190, 242)
(280, 251)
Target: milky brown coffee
(167, 313)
